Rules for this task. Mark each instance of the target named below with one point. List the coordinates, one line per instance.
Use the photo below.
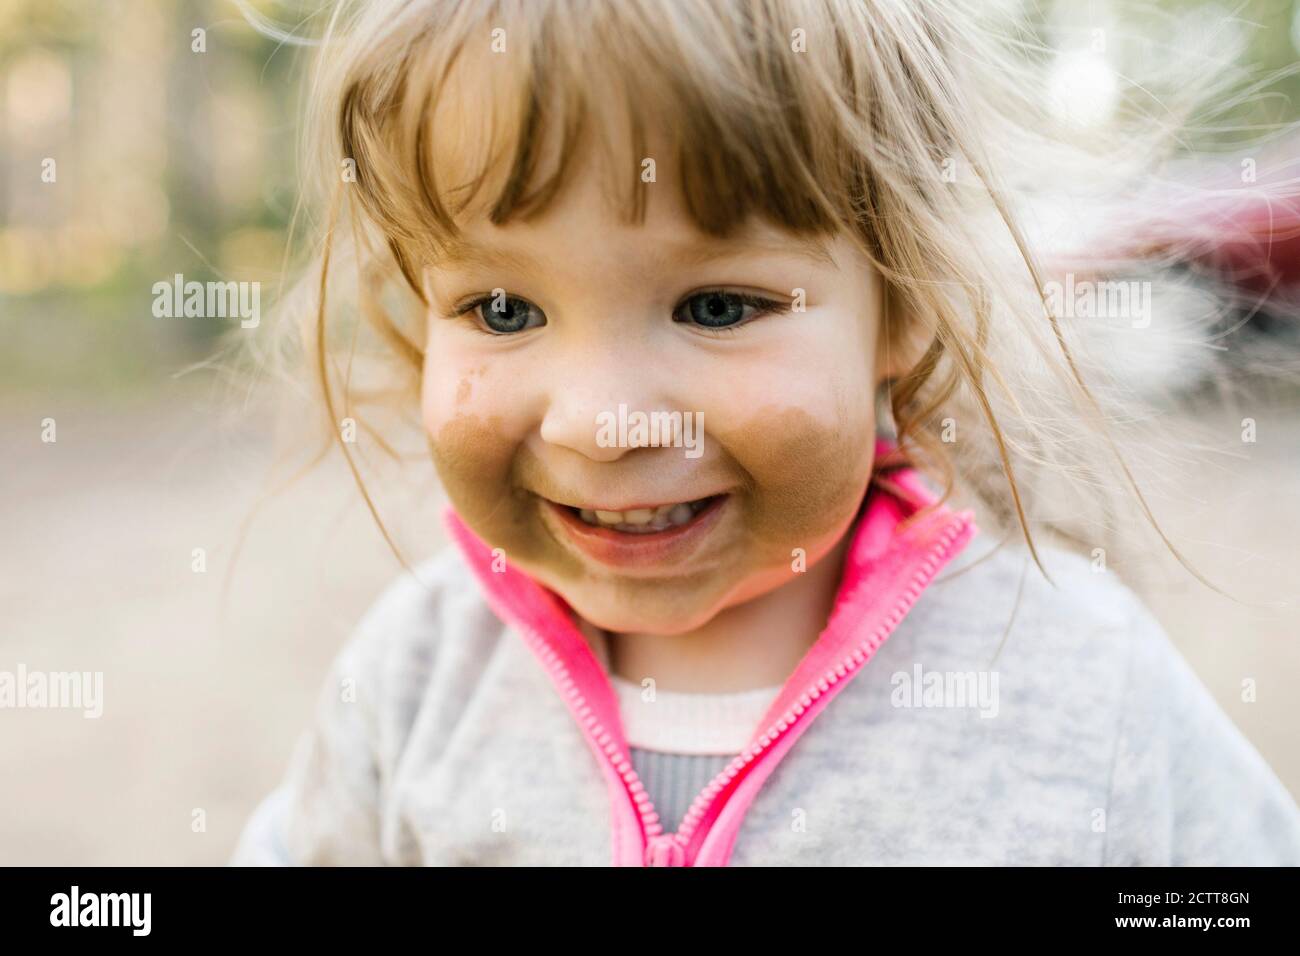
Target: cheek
(805, 450)
(472, 460)
(807, 472)
(475, 465)
(460, 387)
(475, 444)
(470, 441)
(453, 382)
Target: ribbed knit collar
(690, 723)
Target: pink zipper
(700, 839)
(829, 684)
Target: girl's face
(546, 336)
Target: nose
(583, 412)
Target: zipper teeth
(622, 761)
(846, 667)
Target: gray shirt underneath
(673, 781)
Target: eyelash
(761, 304)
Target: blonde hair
(916, 127)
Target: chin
(666, 618)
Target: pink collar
(889, 563)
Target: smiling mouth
(642, 521)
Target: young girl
(716, 309)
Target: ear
(902, 334)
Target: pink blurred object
(1244, 233)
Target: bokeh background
(175, 161)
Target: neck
(753, 645)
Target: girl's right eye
(503, 314)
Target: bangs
(494, 110)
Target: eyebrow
(693, 253)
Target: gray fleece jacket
(1064, 730)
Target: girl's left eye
(716, 309)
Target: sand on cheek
(474, 463)
(805, 479)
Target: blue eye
(505, 314)
(501, 314)
(721, 310)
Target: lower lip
(629, 550)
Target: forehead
(600, 173)
(665, 239)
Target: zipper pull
(664, 850)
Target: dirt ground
(203, 699)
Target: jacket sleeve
(262, 842)
(1187, 788)
(325, 812)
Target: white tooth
(610, 517)
(663, 511)
(588, 515)
(680, 514)
(638, 516)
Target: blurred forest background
(175, 161)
